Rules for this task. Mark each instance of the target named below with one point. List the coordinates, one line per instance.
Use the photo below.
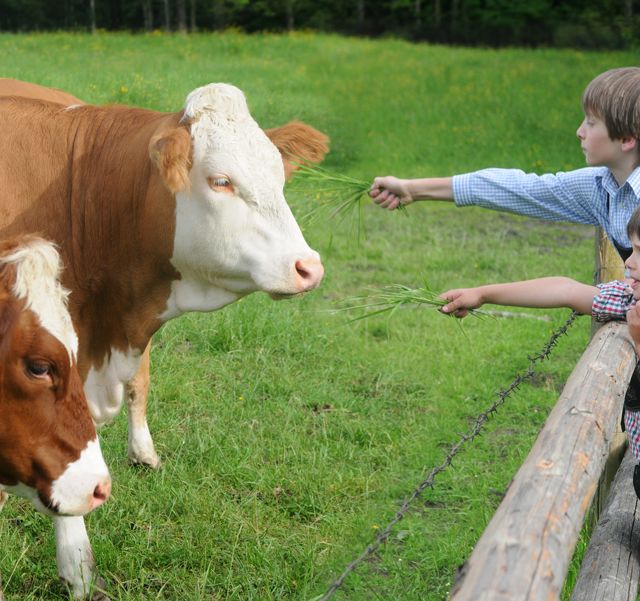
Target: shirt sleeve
(570, 196)
(612, 302)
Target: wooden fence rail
(525, 551)
(610, 569)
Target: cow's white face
(235, 233)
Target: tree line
(564, 23)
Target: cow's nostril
(303, 270)
(102, 491)
(310, 272)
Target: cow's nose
(101, 493)
(310, 272)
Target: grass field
(289, 435)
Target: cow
(49, 451)
(155, 214)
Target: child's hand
(462, 300)
(390, 192)
(633, 322)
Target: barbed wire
(476, 429)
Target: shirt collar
(608, 182)
(605, 180)
(634, 181)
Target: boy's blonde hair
(614, 97)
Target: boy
(604, 194)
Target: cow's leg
(74, 556)
(141, 449)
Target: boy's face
(633, 266)
(598, 148)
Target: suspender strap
(623, 251)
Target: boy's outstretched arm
(390, 192)
(552, 292)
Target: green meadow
(289, 434)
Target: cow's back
(24, 89)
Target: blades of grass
(391, 298)
(345, 193)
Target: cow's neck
(103, 202)
(128, 280)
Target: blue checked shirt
(590, 195)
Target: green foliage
(570, 23)
(289, 436)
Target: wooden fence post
(608, 267)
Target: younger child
(613, 300)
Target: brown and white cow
(155, 214)
(49, 451)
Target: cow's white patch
(72, 492)
(74, 557)
(105, 387)
(37, 270)
(191, 294)
(231, 243)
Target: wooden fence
(525, 552)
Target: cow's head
(235, 233)
(49, 450)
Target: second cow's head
(234, 229)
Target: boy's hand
(633, 322)
(462, 300)
(390, 192)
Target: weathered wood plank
(611, 565)
(608, 267)
(525, 551)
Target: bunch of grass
(336, 195)
(391, 298)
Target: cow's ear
(171, 152)
(298, 142)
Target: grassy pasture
(290, 436)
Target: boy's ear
(629, 143)
(298, 143)
(171, 153)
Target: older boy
(604, 194)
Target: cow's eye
(38, 368)
(220, 183)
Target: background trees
(577, 23)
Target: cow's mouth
(276, 296)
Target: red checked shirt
(613, 301)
